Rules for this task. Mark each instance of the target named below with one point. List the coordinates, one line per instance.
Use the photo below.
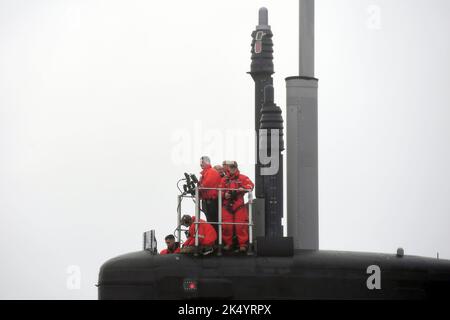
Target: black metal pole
(272, 145)
(261, 72)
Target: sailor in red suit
(234, 208)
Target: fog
(105, 104)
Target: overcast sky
(104, 105)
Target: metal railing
(219, 222)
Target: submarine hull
(325, 275)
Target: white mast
(302, 140)
(306, 43)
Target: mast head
(263, 20)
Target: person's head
(186, 220)
(233, 167)
(170, 241)
(219, 169)
(226, 164)
(205, 162)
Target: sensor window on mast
(258, 43)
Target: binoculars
(191, 182)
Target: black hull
(306, 275)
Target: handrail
(219, 216)
(196, 196)
(226, 189)
(197, 214)
(179, 198)
(206, 222)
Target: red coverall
(207, 236)
(238, 212)
(210, 178)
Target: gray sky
(104, 105)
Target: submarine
(276, 267)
